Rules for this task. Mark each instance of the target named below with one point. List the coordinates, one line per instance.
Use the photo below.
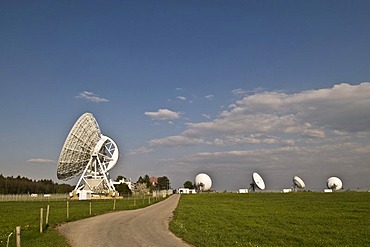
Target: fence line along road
(33, 197)
(142, 227)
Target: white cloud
(238, 92)
(252, 139)
(90, 96)
(284, 119)
(241, 92)
(247, 124)
(163, 114)
(41, 161)
(181, 97)
(310, 157)
(140, 150)
(210, 97)
(175, 141)
(206, 116)
(344, 107)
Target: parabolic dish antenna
(298, 183)
(89, 153)
(203, 182)
(257, 182)
(334, 183)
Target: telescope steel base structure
(92, 178)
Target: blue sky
(222, 87)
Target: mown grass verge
(274, 219)
(27, 215)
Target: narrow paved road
(142, 227)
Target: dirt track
(143, 227)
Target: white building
(84, 195)
(243, 191)
(286, 191)
(186, 191)
(123, 181)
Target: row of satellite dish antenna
(333, 183)
(203, 182)
(90, 154)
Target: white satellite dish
(298, 183)
(257, 182)
(334, 183)
(203, 182)
(89, 153)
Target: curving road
(142, 227)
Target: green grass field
(225, 219)
(274, 219)
(27, 215)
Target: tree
(141, 189)
(23, 185)
(140, 180)
(119, 178)
(123, 189)
(163, 183)
(188, 184)
(147, 180)
(144, 180)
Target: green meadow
(27, 215)
(274, 219)
(216, 219)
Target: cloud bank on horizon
(324, 129)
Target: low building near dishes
(243, 191)
(186, 191)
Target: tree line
(143, 185)
(23, 185)
(163, 183)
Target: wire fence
(33, 197)
(61, 197)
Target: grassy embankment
(27, 215)
(274, 219)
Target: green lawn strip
(27, 215)
(274, 219)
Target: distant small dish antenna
(203, 182)
(257, 182)
(334, 183)
(298, 183)
(89, 153)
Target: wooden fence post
(67, 209)
(47, 214)
(41, 219)
(90, 208)
(18, 236)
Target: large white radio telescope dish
(203, 182)
(257, 182)
(88, 152)
(334, 183)
(298, 182)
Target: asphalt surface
(142, 227)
